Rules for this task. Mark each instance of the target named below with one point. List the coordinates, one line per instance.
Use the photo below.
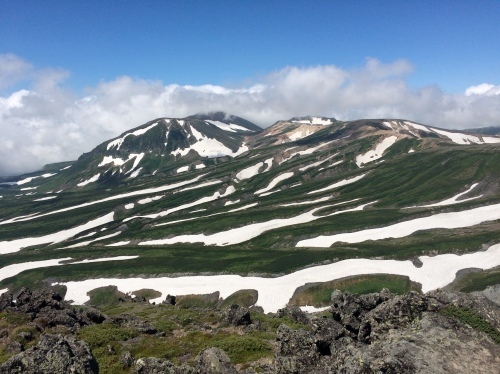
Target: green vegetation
(472, 319)
(477, 281)
(320, 294)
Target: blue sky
(454, 44)
(75, 74)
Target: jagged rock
(6, 301)
(237, 315)
(131, 321)
(170, 300)
(153, 365)
(213, 361)
(296, 351)
(386, 333)
(47, 309)
(295, 313)
(126, 359)
(55, 354)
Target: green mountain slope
(213, 194)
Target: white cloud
(13, 69)
(483, 89)
(48, 123)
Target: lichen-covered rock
(214, 361)
(131, 321)
(153, 365)
(296, 351)
(48, 309)
(295, 313)
(54, 354)
(237, 315)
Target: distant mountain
(492, 130)
(215, 194)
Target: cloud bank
(47, 123)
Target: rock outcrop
(46, 308)
(386, 333)
(55, 354)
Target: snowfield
(376, 153)
(452, 200)
(119, 196)
(90, 180)
(244, 233)
(341, 183)
(118, 142)
(452, 220)
(12, 270)
(203, 200)
(274, 293)
(231, 127)
(280, 178)
(18, 244)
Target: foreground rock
(393, 334)
(46, 308)
(53, 354)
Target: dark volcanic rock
(386, 333)
(47, 309)
(214, 361)
(237, 315)
(54, 354)
(152, 365)
(295, 313)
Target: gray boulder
(55, 354)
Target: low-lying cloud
(47, 123)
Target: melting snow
(274, 183)
(376, 153)
(453, 200)
(490, 140)
(229, 202)
(244, 233)
(12, 270)
(183, 169)
(148, 200)
(129, 206)
(136, 173)
(117, 244)
(341, 183)
(274, 293)
(231, 127)
(452, 220)
(200, 166)
(459, 138)
(17, 244)
(120, 196)
(81, 244)
(118, 142)
(45, 198)
(203, 200)
(314, 164)
(249, 172)
(91, 180)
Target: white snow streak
(16, 245)
(280, 178)
(452, 220)
(274, 293)
(376, 153)
(244, 233)
(341, 183)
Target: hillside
(211, 203)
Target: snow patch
(244, 233)
(45, 198)
(91, 180)
(341, 183)
(16, 245)
(452, 220)
(280, 178)
(118, 142)
(274, 293)
(376, 153)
